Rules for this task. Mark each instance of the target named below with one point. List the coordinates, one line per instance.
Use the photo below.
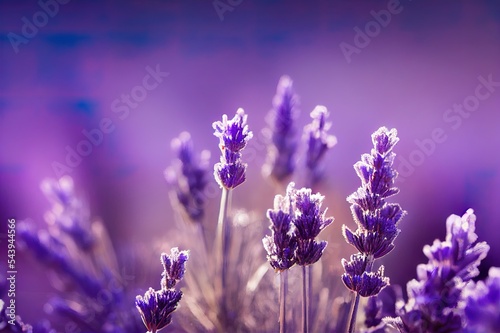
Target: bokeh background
(68, 75)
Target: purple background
(66, 77)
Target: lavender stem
(305, 299)
(283, 290)
(352, 321)
(222, 246)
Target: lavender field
(249, 166)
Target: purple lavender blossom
(174, 267)
(188, 176)
(68, 212)
(309, 221)
(156, 307)
(434, 299)
(318, 142)
(361, 281)
(233, 137)
(280, 162)
(281, 245)
(482, 309)
(376, 219)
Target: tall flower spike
(280, 162)
(233, 137)
(318, 142)
(188, 176)
(281, 245)
(434, 299)
(376, 219)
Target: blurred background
(140, 72)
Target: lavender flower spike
(156, 306)
(318, 142)
(309, 221)
(281, 151)
(188, 176)
(233, 137)
(281, 245)
(174, 266)
(376, 219)
(434, 299)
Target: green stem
(283, 290)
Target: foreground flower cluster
(228, 285)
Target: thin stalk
(222, 247)
(283, 291)
(352, 322)
(305, 300)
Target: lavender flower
(157, 306)
(280, 162)
(282, 244)
(482, 309)
(375, 218)
(188, 176)
(174, 266)
(309, 221)
(68, 212)
(433, 304)
(233, 137)
(318, 142)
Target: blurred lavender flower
(68, 212)
(318, 142)
(78, 251)
(280, 162)
(282, 243)
(188, 176)
(482, 299)
(233, 137)
(157, 306)
(174, 267)
(375, 218)
(385, 304)
(433, 299)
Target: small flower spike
(318, 142)
(188, 176)
(156, 306)
(280, 162)
(309, 222)
(233, 137)
(174, 266)
(281, 245)
(434, 299)
(357, 279)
